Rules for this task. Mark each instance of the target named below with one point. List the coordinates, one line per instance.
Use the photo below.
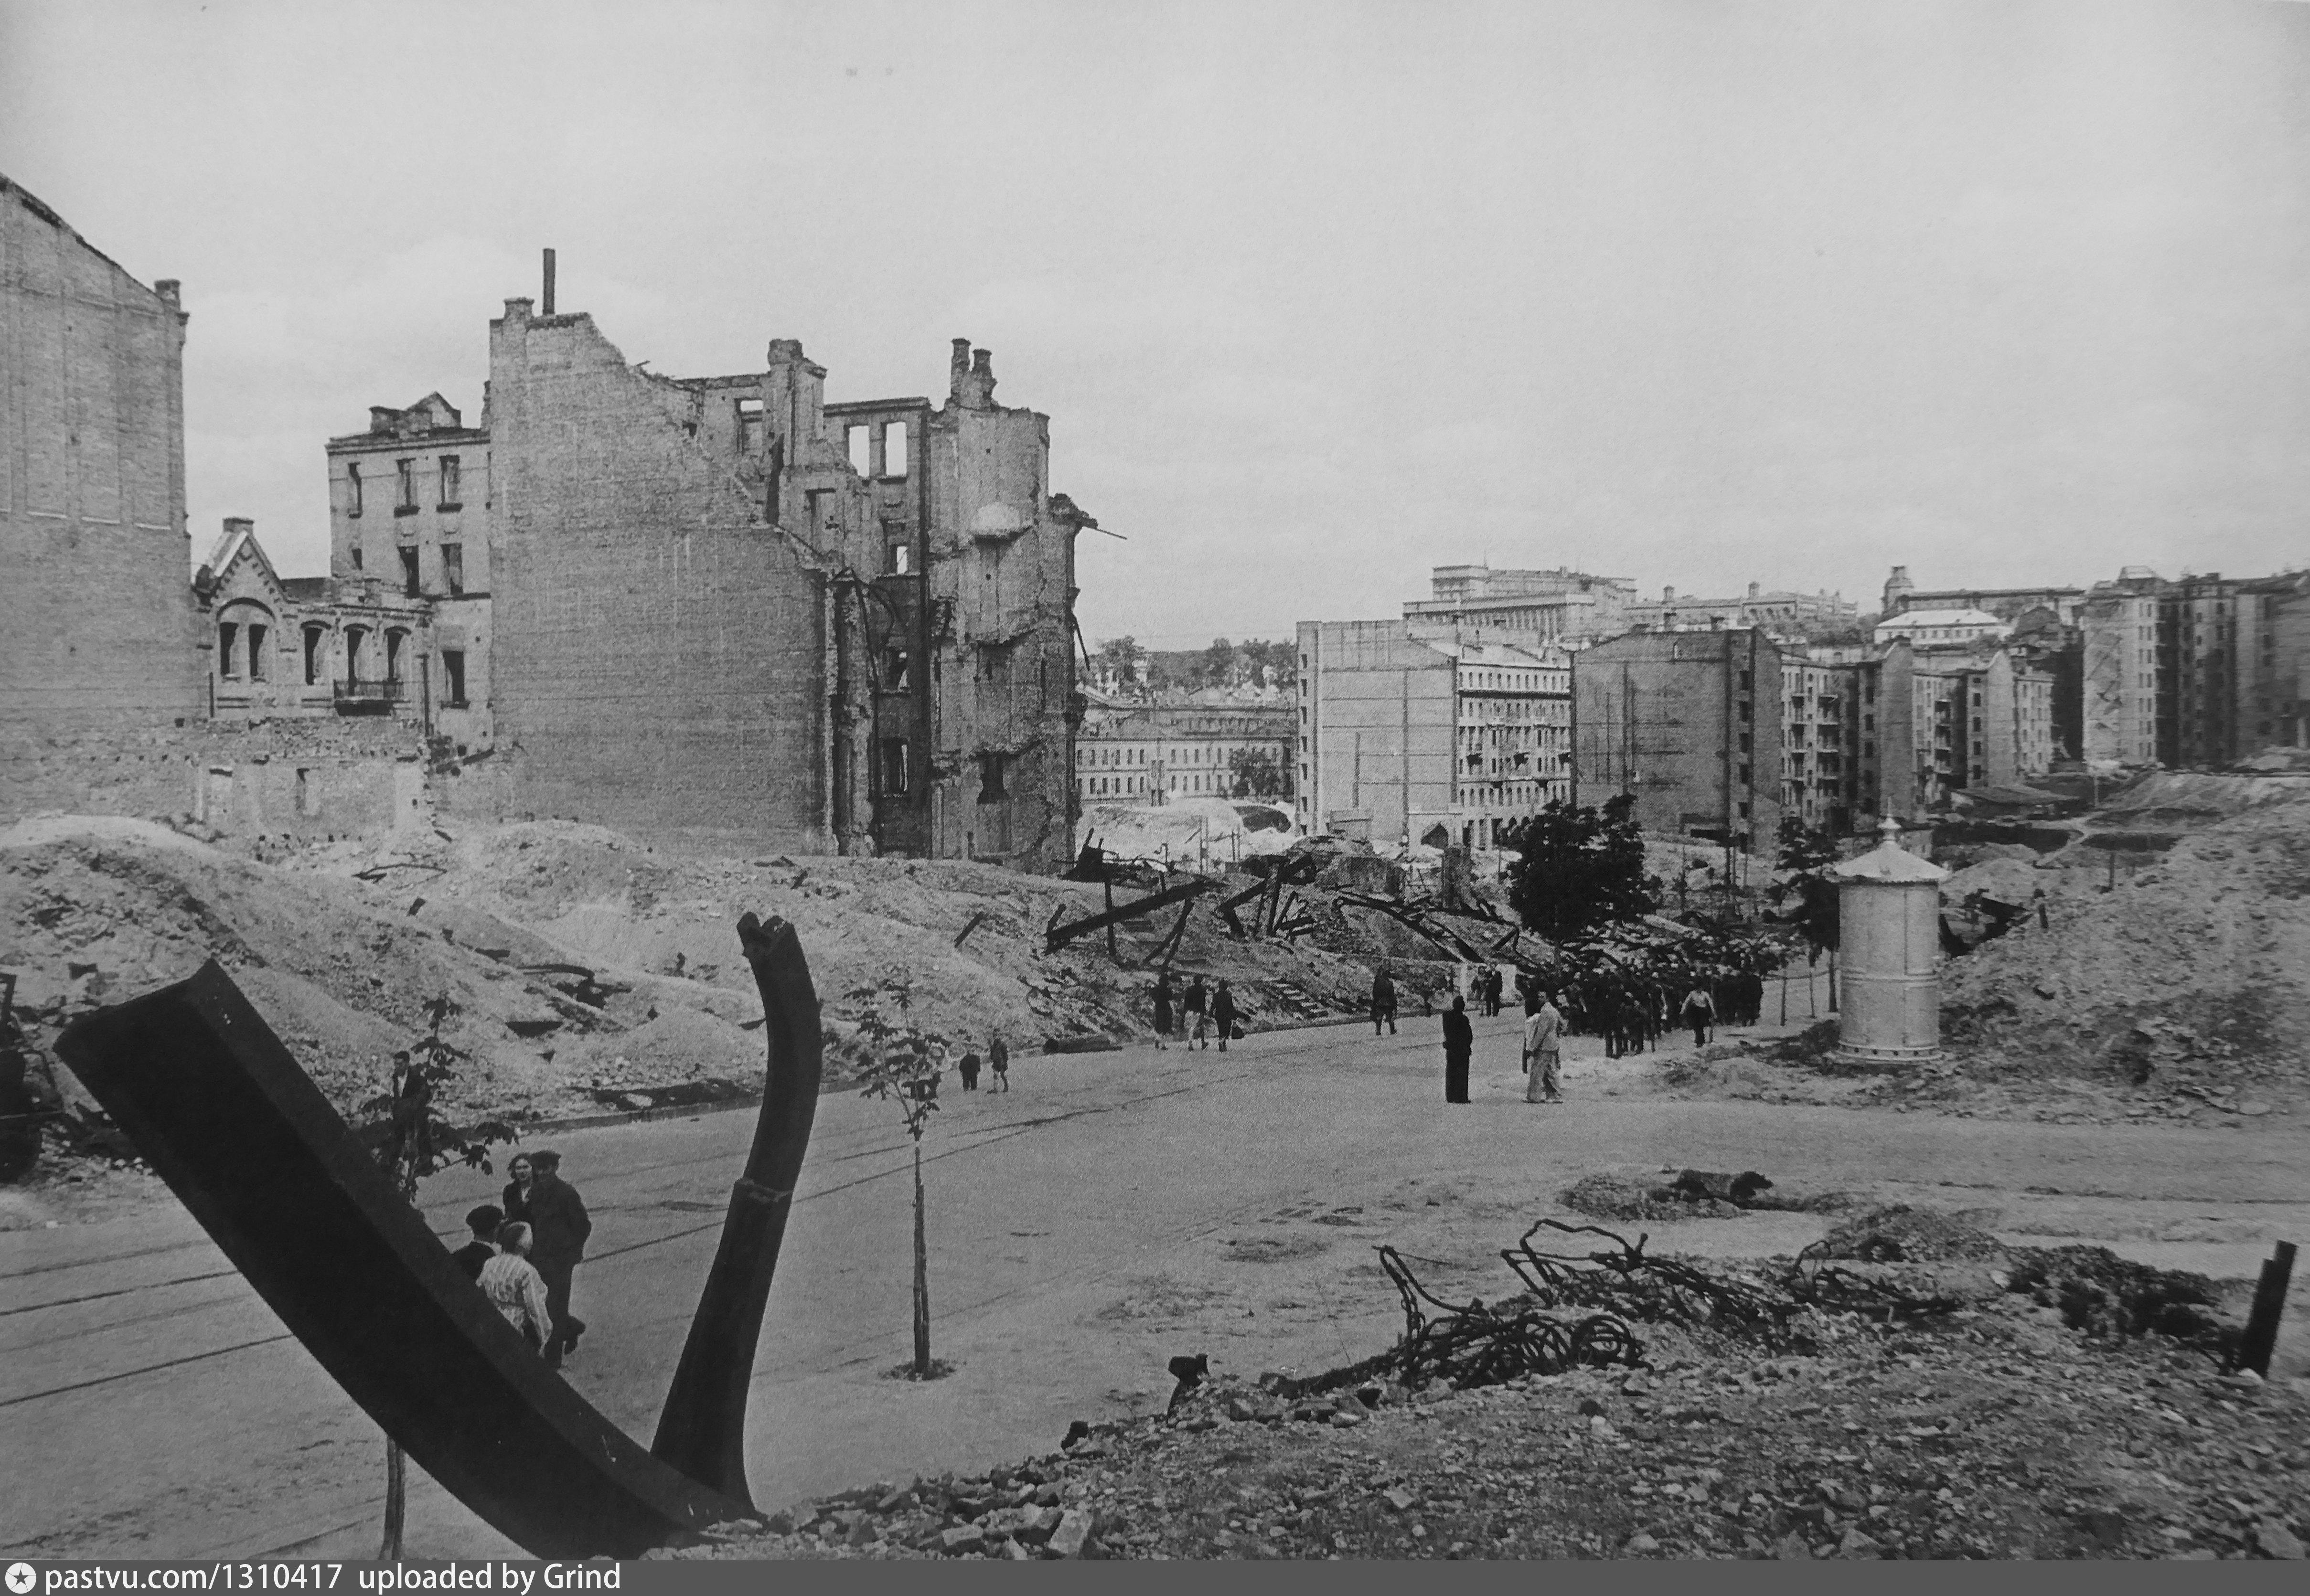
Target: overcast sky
(1316, 297)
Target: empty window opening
(393, 642)
(228, 641)
(357, 557)
(256, 634)
(451, 483)
(894, 449)
(750, 426)
(315, 635)
(990, 778)
(453, 677)
(861, 443)
(406, 505)
(354, 638)
(452, 567)
(897, 670)
(898, 558)
(308, 794)
(352, 490)
(896, 774)
(409, 570)
(819, 509)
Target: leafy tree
(1581, 868)
(408, 1135)
(1260, 773)
(1807, 860)
(904, 1069)
(1120, 656)
(1276, 662)
(1218, 664)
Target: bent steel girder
(220, 1109)
(702, 1429)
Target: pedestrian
(1196, 1002)
(515, 1287)
(484, 1222)
(1382, 1001)
(1223, 1013)
(1459, 1042)
(1699, 1013)
(998, 1058)
(1543, 1042)
(559, 1226)
(516, 1200)
(1162, 1009)
(969, 1067)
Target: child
(998, 1054)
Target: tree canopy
(1581, 868)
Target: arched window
(355, 636)
(228, 648)
(393, 641)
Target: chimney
(169, 290)
(238, 524)
(548, 282)
(517, 311)
(975, 387)
(958, 368)
(1753, 587)
(1668, 595)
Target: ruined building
(97, 629)
(731, 613)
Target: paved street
(1113, 1209)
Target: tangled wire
(1627, 1281)
(1472, 1344)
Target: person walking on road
(1699, 1013)
(1382, 1001)
(1162, 1008)
(1195, 1003)
(484, 1222)
(1459, 1042)
(559, 1227)
(1543, 1033)
(515, 1287)
(516, 1200)
(1223, 1013)
(998, 1059)
(969, 1067)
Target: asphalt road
(1108, 1211)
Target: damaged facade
(731, 613)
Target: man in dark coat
(1459, 1042)
(559, 1229)
(1382, 1001)
(483, 1222)
(1223, 1013)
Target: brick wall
(303, 778)
(96, 615)
(658, 660)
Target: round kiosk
(1889, 910)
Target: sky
(1317, 296)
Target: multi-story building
(1786, 616)
(1530, 608)
(1151, 753)
(2118, 626)
(1418, 734)
(1691, 725)
(1942, 629)
(2007, 604)
(1820, 763)
(2273, 663)
(729, 611)
(96, 627)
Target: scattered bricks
(1400, 1499)
(1857, 1545)
(1589, 1407)
(1016, 1553)
(1346, 1419)
(2272, 1538)
(1046, 1496)
(1201, 1423)
(961, 1539)
(1240, 1411)
(1640, 1545)
(1039, 1526)
(1073, 1536)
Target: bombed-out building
(732, 613)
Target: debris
(2261, 1337)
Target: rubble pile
(1996, 1429)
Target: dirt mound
(1901, 1233)
(2192, 976)
(1640, 1197)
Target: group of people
(524, 1253)
(1195, 1013)
(1631, 1009)
(998, 1060)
